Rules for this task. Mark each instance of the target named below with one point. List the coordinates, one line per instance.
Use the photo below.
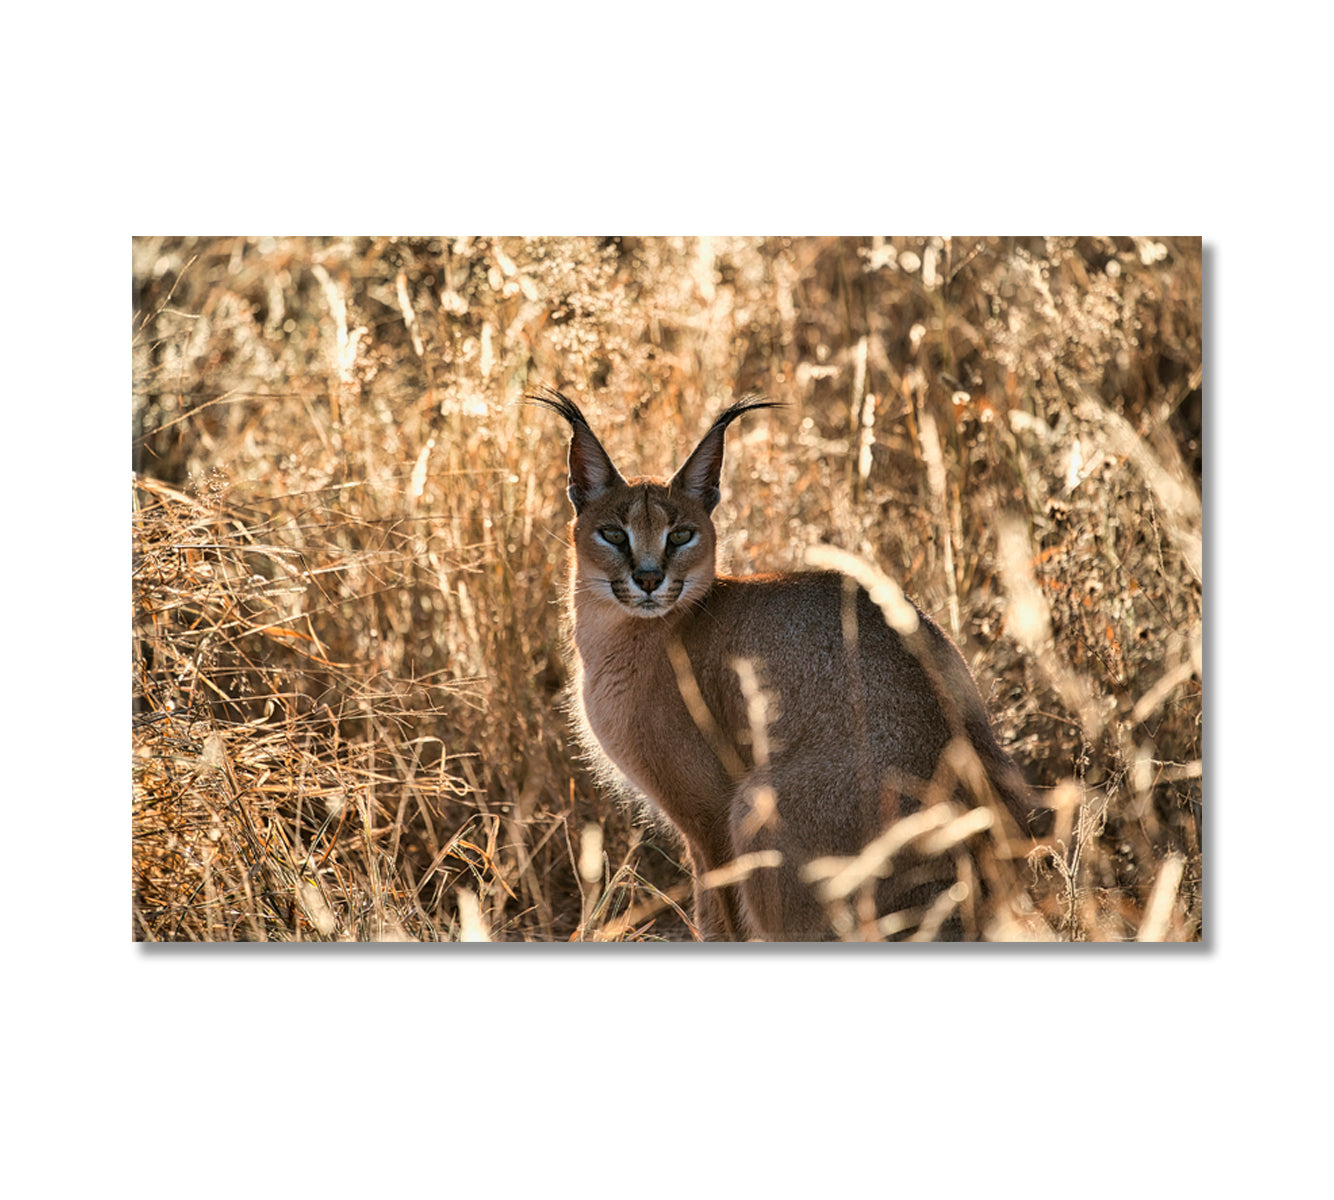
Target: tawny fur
(857, 715)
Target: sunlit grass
(349, 558)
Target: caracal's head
(643, 547)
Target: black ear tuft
(700, 473)
(552, 399)
(591, 469)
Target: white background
(509, 1071)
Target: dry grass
(348, 558)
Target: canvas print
(668, 589)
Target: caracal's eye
(612, 536)
(679, 537)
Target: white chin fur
(648, 612)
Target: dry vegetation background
(348, 554)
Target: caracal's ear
(699, 474)
(591, 469)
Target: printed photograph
(668, 589)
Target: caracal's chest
(633, 707)
(620, 693)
